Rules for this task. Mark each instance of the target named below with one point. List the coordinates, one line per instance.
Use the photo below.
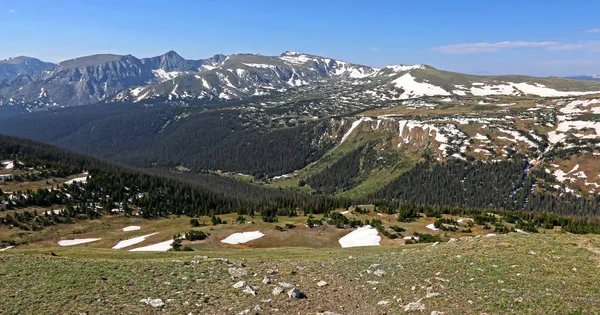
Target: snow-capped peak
(402, 68)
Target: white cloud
(575, 62)
(470, 48)
(374, 49)
(592, 45)
(11, 11)
(593, 30)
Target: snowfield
(131, 228)
(510, 88)
(77, 180)
(132, 241)
(6, 248)
(163, 75)
(432, 227)
(402, 68)
(159, 247)
(241, 238)
(77, 241)
(363, 236)
(413, 89)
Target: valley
(397, 186)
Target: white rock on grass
(383, 303)
(285, 285)
(321, 283)
(153, 302)
(414, 306)
(77, 241)
(295, 294)
(277, 290)
(237, 272)
(240, 284)
(379, 273)
(249, 290)
(266, 280)
(241, 238)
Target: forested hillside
(507, 185)
(109, 189)
(166, 137)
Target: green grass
(509, 274)
(377, 180)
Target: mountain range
(324, 125)
(591, 77)
(91, 79)
(124, 78)
(12, 67)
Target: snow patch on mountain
(295, 58)
(259, 65)
(403, 68)
(414, 89)
(510, 88)
(163, 75)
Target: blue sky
(484, 37)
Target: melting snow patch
(5, 248)
(402, 68)
(131, 228)
(77, 180)
(132, 241)
(414, 89)
(479, 136)
(432, 227)
(164, 75)
(77, 241)
(363, 236)
(8, 165)
(241, 238)
(159, 247)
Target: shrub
(195, 223)
(240, 219)
(427, 238)
(361, 210)
(270, 219)
(502, 229)
(216, 220)
(195, 235)
(397, 228)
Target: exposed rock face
(13, 67)
(91, 79)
